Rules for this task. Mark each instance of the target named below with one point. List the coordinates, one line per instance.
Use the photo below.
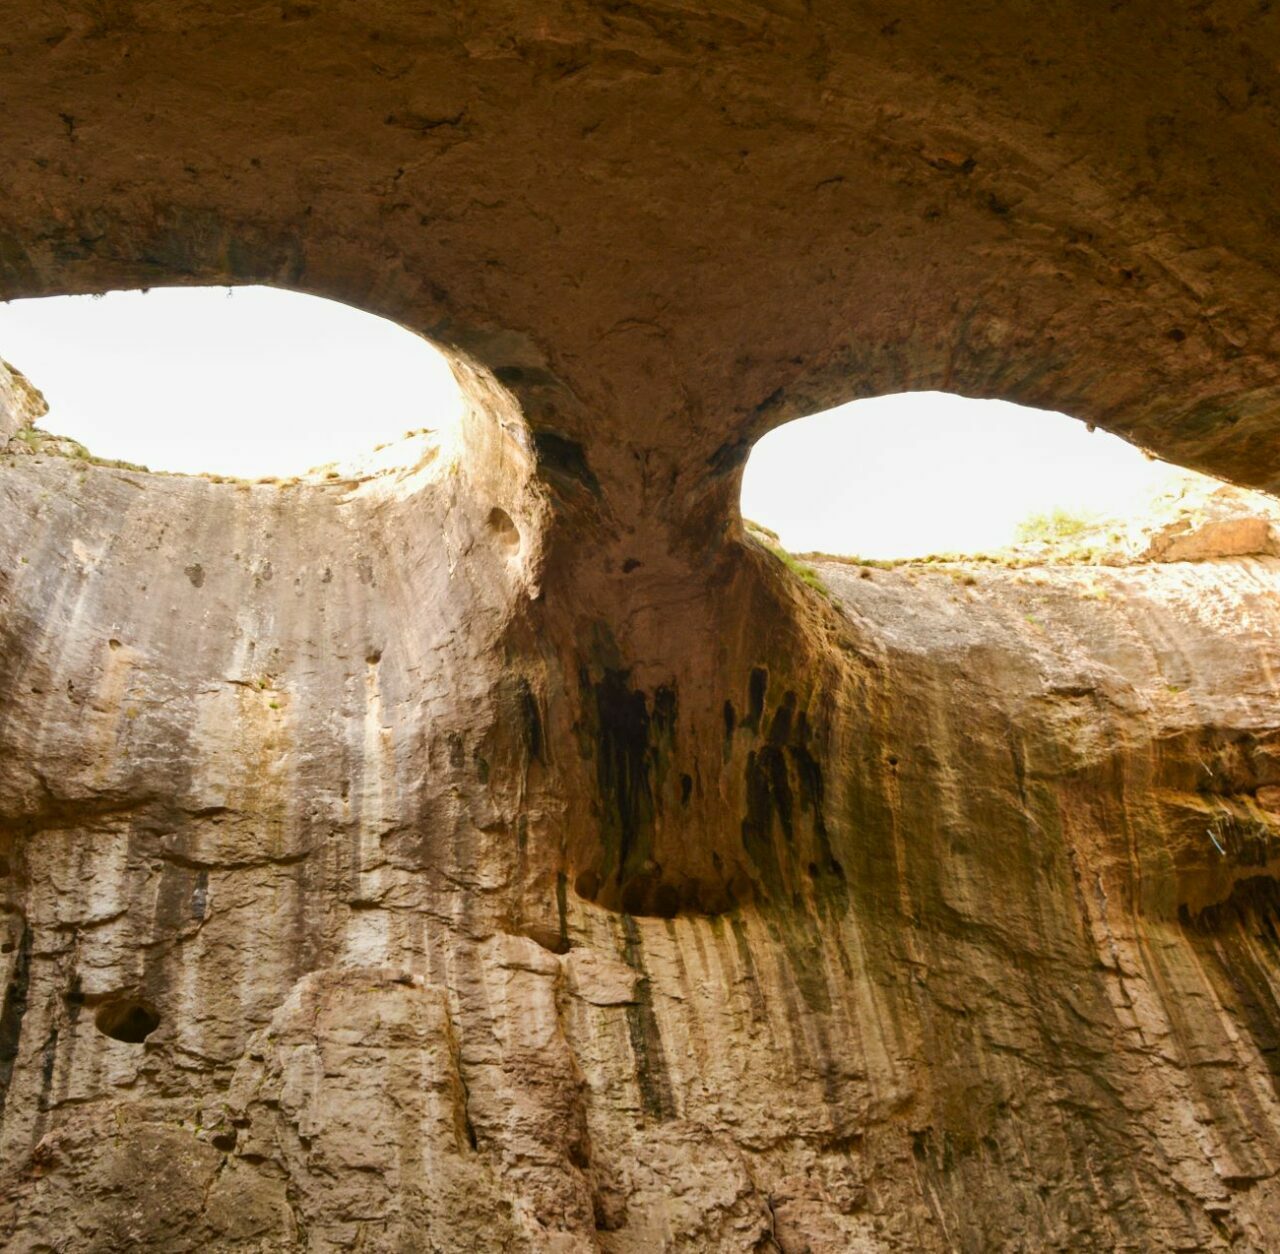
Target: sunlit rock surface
(364, 890)
(21, 405)
(504, 851)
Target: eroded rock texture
(504, 851)
(361, 895)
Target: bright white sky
(258, 382)
(267, 382)
(928, 472)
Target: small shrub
(1056, 525)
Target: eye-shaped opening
(250, 383)
(927, 473)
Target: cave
(508, 847)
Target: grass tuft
(1058, 524)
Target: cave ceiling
(673, 226)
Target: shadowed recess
(128, 1020)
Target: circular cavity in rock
(504, 528)
(129, 1020)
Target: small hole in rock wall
(129, 1020)
(506, 531)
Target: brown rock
(503, 851)
(1241, 537)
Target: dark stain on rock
(808, 772)
(562, 910)
(1239, 942)
(13, 1012)
(769, 794)
(175, 894)
(195, 572)
(757, 688)
(646, 1039)
(747, 973)
(633, 745)
(663, 737)
(48, 1062)
(728, 457)
(530, 719)
(780, 727)
(200, 895)
(563, 462)
(730, 716)
(622, 770)
(794, 935)
(15, 264)
(74, 997)
(631, 737)
(664, 711)
(768, 798)
(783, 781)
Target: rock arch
(726, 914)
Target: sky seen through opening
(255, 382)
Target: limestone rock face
(1224, 522)
(502, 851)
(360, 895)
(20, 403)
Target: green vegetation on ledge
(44, 442)
(769, 540)
(1058, 524)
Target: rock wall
(366, 889)
(506, 852)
